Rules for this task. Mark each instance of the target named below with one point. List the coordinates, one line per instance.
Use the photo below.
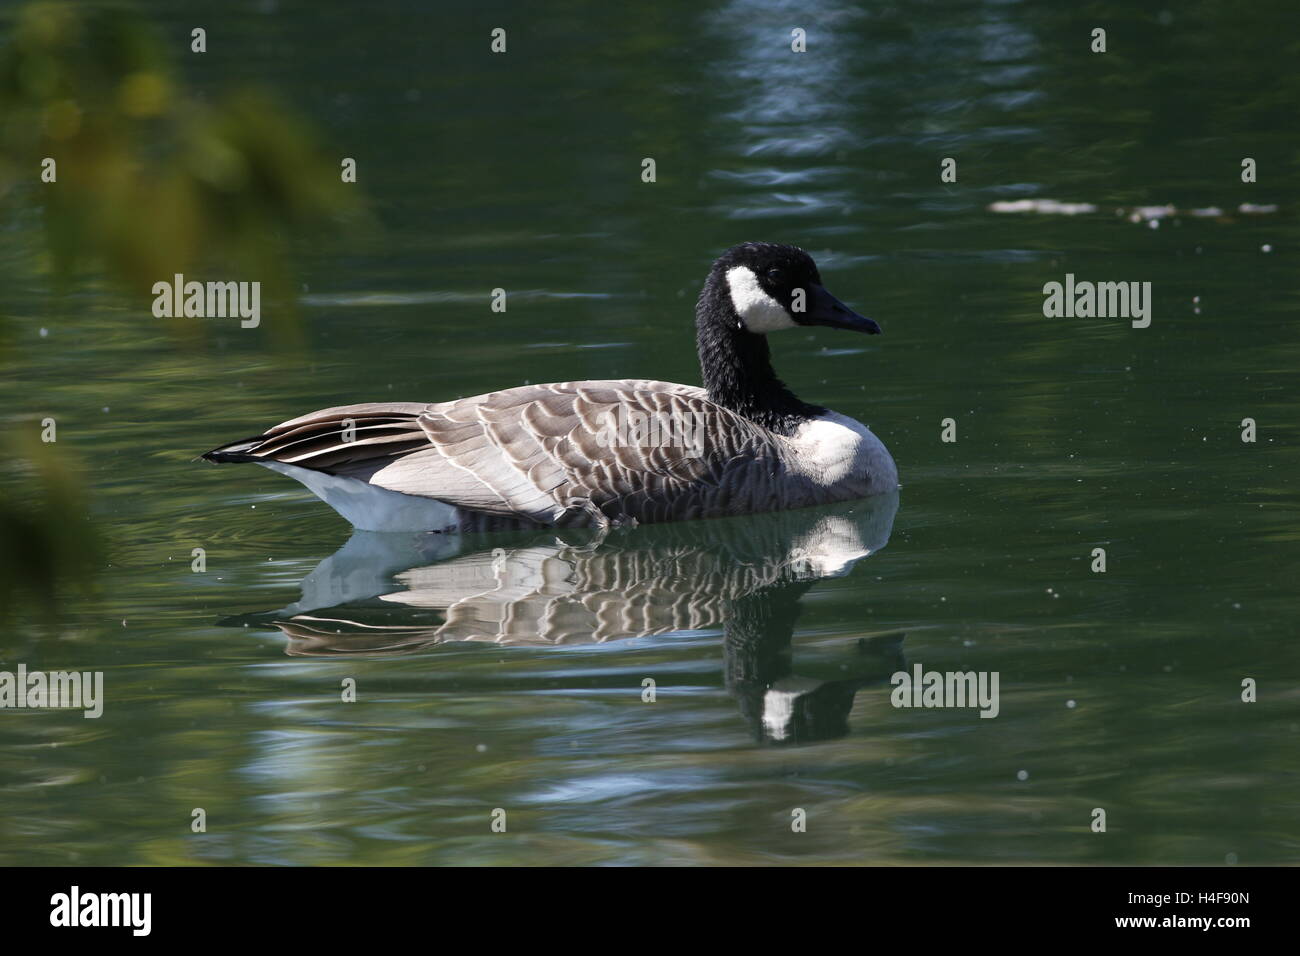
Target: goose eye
(774, 276)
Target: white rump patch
(758, 310)
(369, 507)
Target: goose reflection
(387, 594)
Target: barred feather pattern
(543, 454)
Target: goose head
(762, 287)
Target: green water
(1118, 690)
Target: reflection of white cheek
(759, 311)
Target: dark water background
(522, 171)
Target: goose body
(564, 454)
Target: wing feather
(541, 451)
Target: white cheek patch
(758, 310)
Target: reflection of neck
(737, 366)
(758, 632)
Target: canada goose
(563, 454)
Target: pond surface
(508, 672)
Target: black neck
(737, 366)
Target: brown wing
(553, 453)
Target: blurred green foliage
(46, 541)
(149, 180)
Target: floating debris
(1050, 207)
(1151, 215)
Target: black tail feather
(234, 451)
